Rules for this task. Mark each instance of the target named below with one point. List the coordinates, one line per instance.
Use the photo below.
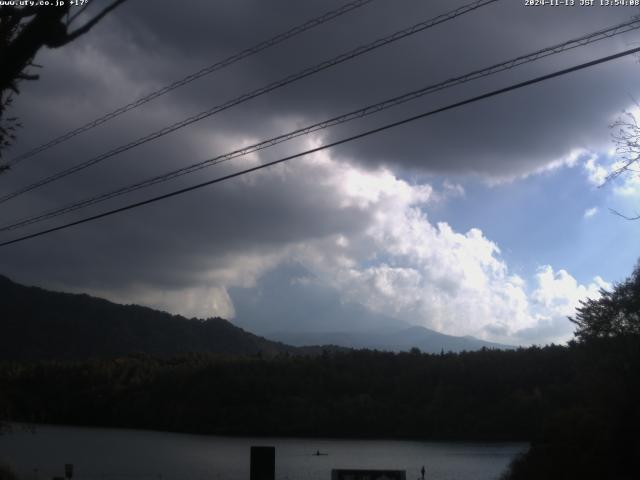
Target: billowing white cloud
(363, 231)
(597, 174)
(407, 268)
(558, 293)
(571, 159)
(452, 190)
(401, 265)
(591, 212)
(554, 299)
(630, 186)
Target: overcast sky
(486, 220)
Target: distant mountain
(290, 299)
(428, 341)
(288, 305)
(40, 324)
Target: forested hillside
(576, 404)
(39, 324)
(478, 395)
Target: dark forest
(576, 404)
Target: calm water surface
(116, 454)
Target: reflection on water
(115, 454)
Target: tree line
(577, 404)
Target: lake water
(118, 454)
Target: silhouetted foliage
(616, 312)
(497, 395)
(576, 404)
(595, 432)
(24, 30)
(8, 125)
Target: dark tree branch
(626, 137)
(23, 32)
(89, 25)
(77, 14)
(615, 212)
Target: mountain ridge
(40, 324)
(395, 340)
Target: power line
(255, 93)
(362, 112)
(367, 133)
(324, 18)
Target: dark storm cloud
(174, 243)
(147, 44)
(510, 135)
(157, 43)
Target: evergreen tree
(615, 313)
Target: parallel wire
(326, 17)
(362, 112)
(255, 93)
(367, 133)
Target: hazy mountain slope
(404, 339)
(288, 305)
(288, 299)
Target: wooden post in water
(263, 463)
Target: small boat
(319, 454)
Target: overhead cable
(355, 114)
(367, 133)
(253, 94)
(292, 32)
